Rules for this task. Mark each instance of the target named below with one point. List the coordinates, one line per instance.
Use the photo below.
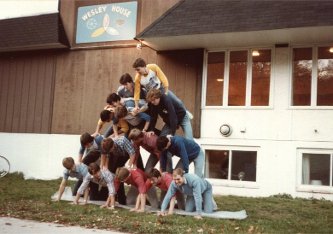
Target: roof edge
(137, 37)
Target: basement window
(235, 165)
(316, 169)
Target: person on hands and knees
(78, 171)
(163, 182)
(101, 177)
(199, 193)
(136, 178)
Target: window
(238, 78)
(317, 169)
(215, 78)
(312, 76)
(231, 165)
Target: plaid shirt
(125, 145)
(106, 180)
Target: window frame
(314, 80)
(328, 189)
(229, 182)
(248, 79)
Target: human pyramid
(108, 161)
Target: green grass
(30, 199)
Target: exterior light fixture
(331, 50)
(225, 130)
(219, 79)
(255, 53)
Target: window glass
(237, 78)
(261, 73)
(302, 68)
(243, 165)
(215, 79)
(316, 169)
(217, 164)
(325, 77)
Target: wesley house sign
(107, 22)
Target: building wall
(277, 133)
(63, 92)
(26, 91)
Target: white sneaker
(189, 114)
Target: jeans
(185, 124)
(109, 131)
(199, 163)
(207, 199)
(153, 160)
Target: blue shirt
(193, 186)
(97, 145)
(81, 170)
(184, 148)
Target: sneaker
(143, 108)
(189, 114)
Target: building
(258, 76)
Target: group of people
(108, 161)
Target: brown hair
(178, 171)
(122, 173)
(153, 172)
(120, 112)
(139, 62)
(125, 78)
(135, 134)
(162, 142)
(153, 94)
(107, 145)
(86, 138)
(68, 163)
(93, 168)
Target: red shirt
(166, 179)
(138, 179)
(149, 144)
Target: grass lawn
(30, 199)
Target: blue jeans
(199, 164)
(185, 124)
(207, 199)
(153, 160)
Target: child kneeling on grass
(102, 178)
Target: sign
(107, 22)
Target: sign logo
(108, 22)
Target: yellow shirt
(153, 79)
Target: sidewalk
(15, 226)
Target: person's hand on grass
(161, 213)
(75, 202)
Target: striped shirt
(106, 180)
